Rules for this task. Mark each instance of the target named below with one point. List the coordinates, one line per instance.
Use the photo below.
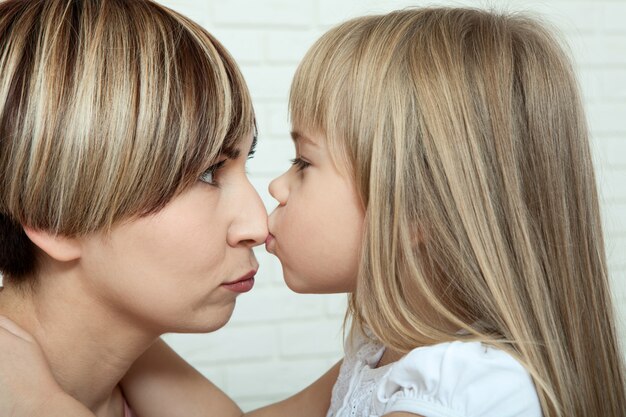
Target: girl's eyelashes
(208, 176)
(300, 163)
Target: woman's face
(316, 230)
(173, 271)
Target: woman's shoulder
(458, 379)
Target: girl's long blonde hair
(108, 109)
(469, 148)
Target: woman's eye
(208, 176)
(300, 163)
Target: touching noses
(250, 225)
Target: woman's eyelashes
(208, 176)
(252, 148)
(300, 163)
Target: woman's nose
(250, 225)
(279, 190)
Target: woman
(125, 211)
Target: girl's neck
(389, 356)
(88, 344)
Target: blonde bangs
(322, 96)
(108, 109)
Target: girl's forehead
(303, 137)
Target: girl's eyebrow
(297, 136)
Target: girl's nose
(279, 190)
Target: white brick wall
(278, 342)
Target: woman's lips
(240, 286)
(243, 284)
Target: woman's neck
(88, 344)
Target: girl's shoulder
(458, 379)
(362, 346)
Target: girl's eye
(300, 163)
(208, 176)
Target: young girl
(482, 261)
(443, 179)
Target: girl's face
(316, 230)
(174, 271)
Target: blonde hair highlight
(467, 141)
(108, 109)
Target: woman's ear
(58, 247)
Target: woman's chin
(205, 323)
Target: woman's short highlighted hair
(108, 109)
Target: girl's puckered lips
(269, 242)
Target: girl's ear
(58, 247)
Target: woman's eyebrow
(233, 153)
